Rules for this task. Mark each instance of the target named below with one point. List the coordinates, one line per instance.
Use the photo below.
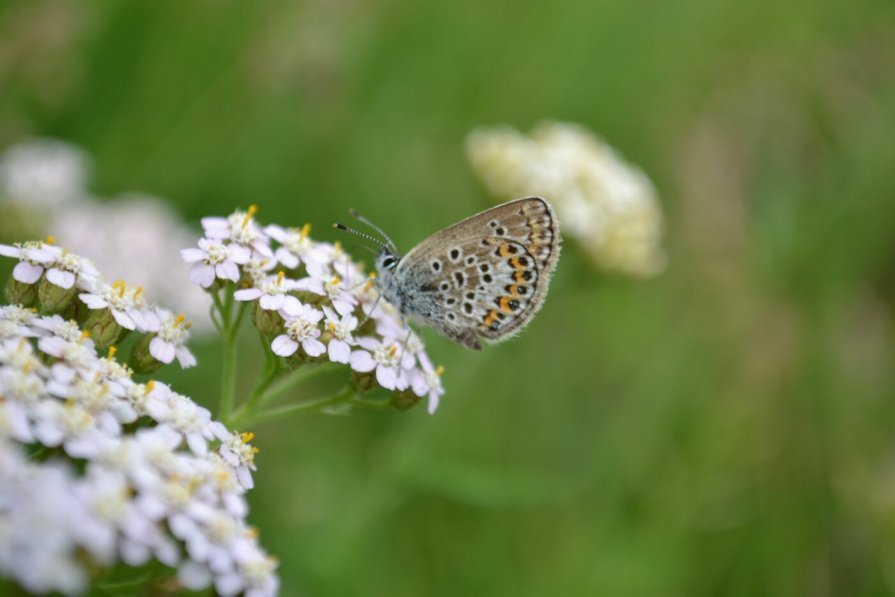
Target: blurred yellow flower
(607, 205)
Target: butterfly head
(386, 260)
(387, 257)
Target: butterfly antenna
(345, 228)
(364, 220)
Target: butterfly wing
(487, 275)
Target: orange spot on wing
(504, 250)
(505, 304)
(490, 318)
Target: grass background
(724, 428)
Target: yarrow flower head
(215, 260)
(170, 342)
(140, 469)
(319, 306)
(609, 206)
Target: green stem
(312, 405)
(371, 404)
(302, 375)
(228, 378)
(262, 396)
(228, 367)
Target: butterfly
(484, 277)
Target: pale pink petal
(291, 304)
(161, 350)
(44, 254)
(247, 294)
(94, 301)
(10, 251)
(278, 233)
(386, 377)
(52, 345)
(194, 576)
(284, 346)
(262, 249)
(227, 271)
(292, 308)
(192, 255)
(368, 343)
(362, 361)
(289, 260)
(216, 227)
(313, 347)
(339, 351)
(27, 273)
(240, 254)
(124, 320)
(343, 307)
(228, 584)
(197, 444)
(60, 278)
(185, 357)
(272, 302)
(433, 402)
(202, 274)
(419, 385)
(311, 285)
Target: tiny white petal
(240, 254)
(192, 255)
(283, 345)
(60, 278)
(202, 274)
(313, 347)
(362, 361)
(194, 576)
(227, 271)
(247, 294)
(272, 302)
(161, 350)
(124, 320)
(27, 273)
(94, 301)
(386, 377)
(339, 351)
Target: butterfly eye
(389, 261)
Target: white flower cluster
(49, 276)
(319, 305)
(607, 205)
(48, 180)
(120, 472)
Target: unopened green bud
(363, 382)
(21, 293)
(297, 359)
(102, 327)
(405, 399)
(54, 299)
(268, 322)
(141, 360)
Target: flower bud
(54, 299)
(268, 322)
(363, 382)
(405, 399)
(102, 327)
(20, 293)
(141, 360)
(296, 359)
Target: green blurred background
(725, 428)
